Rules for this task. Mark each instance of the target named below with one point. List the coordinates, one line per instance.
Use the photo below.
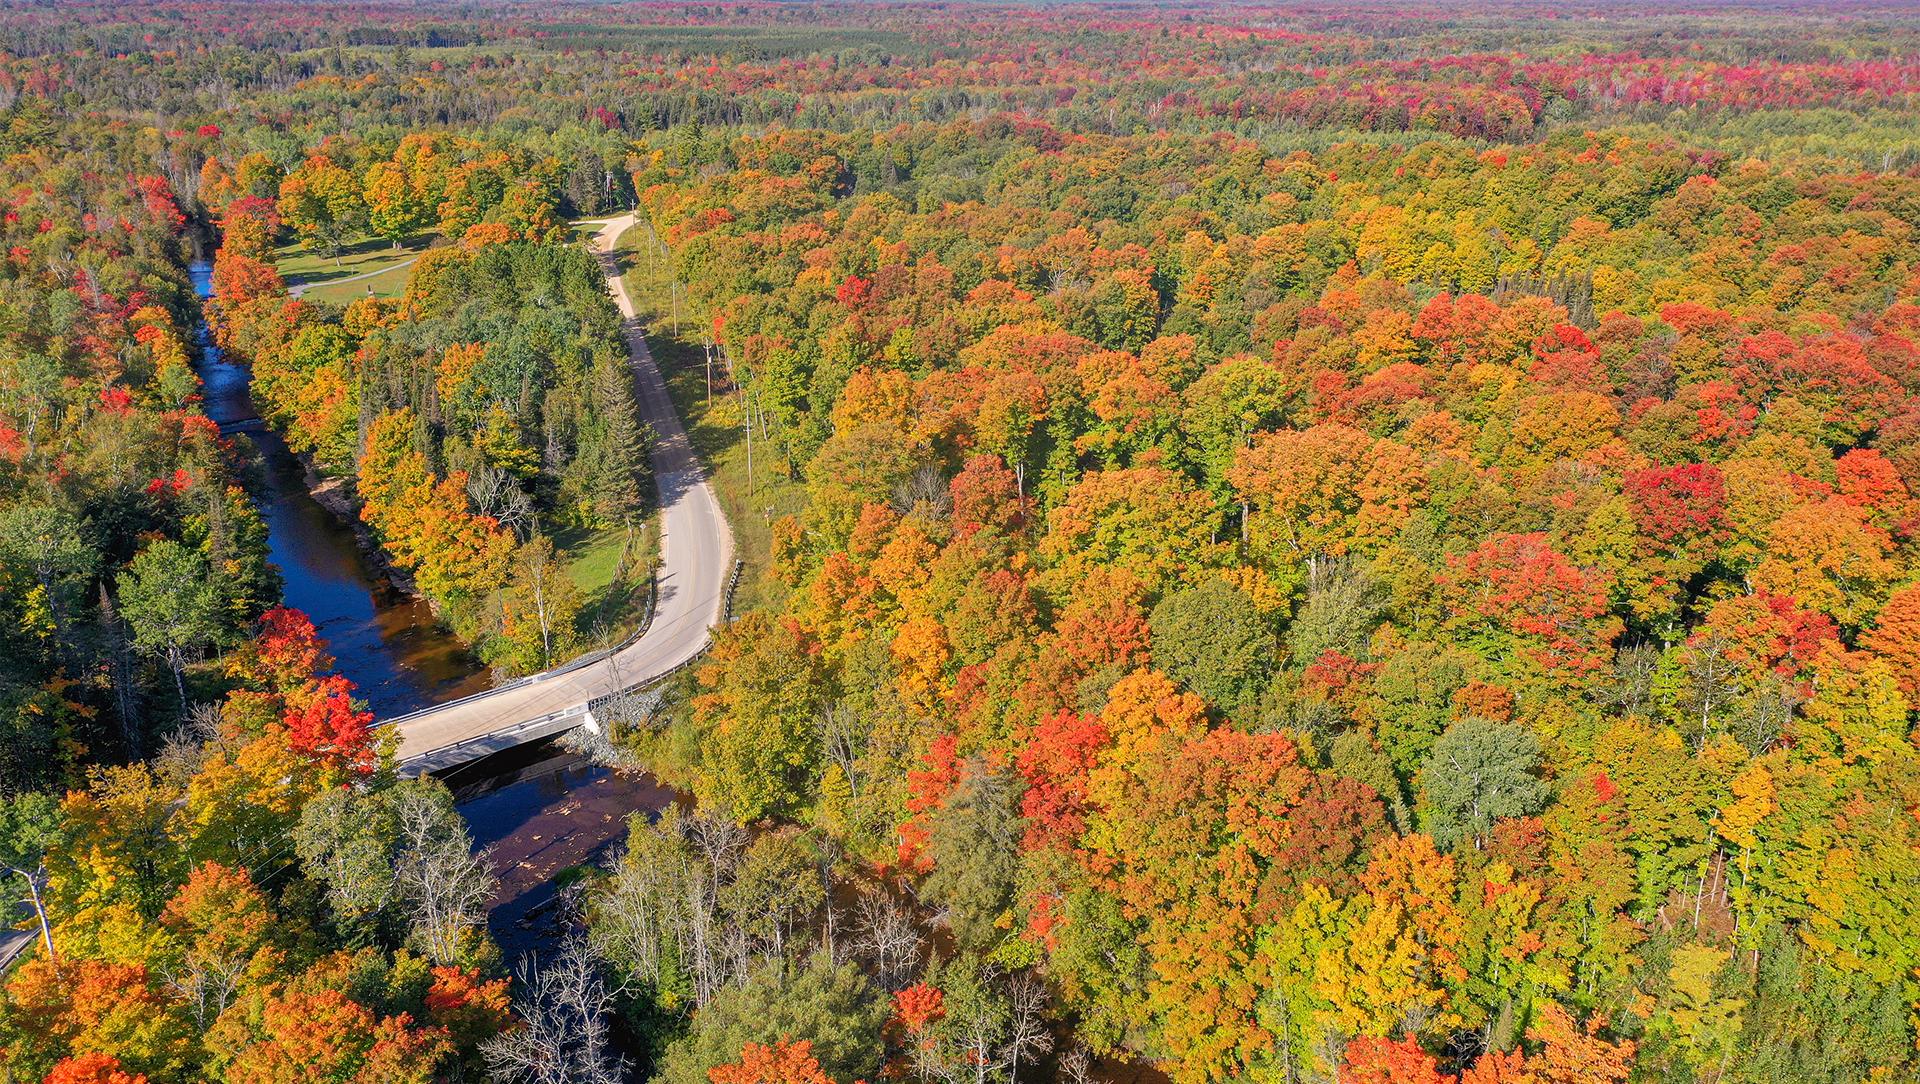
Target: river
(539, 808)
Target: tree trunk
(40, 912)
(179, 667)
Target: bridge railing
(591, 657)
(496, 740)
(491, 742)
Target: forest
(1284, 543)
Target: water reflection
(544, 810)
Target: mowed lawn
(391, 282)
(319, 274)
(612, 569)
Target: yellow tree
(1325, 491)
(1402, 949)
(1828, 557)
(322, 202)
(1146, 521)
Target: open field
(372, 266)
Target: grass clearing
(714, 429)
(389, 283)
(302, 266)
(611, 567)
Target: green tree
(1478, 772)
(172, 605)
(833, 1006)
(613, 448)
(345, 841)
(1212, 638)
(43, 543)
(1814, 1022)
(776, 889)
(29, 829)
(398, 859)
(975, 848)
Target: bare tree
(1631, 691)
(665, 893)
(717, 839)
(1767, 715)
(1026, 1024)
(1076, 1067)
(208, 976)
(496, 494)
(885, 935)
(840, 740)
(564, 1035)
(635, 917)
(185, 749)
(1710, 683)
(438, 874)
(924, 488)
(994, 1022)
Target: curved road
(696, 562)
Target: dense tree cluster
(1366, 612)
(488, 406)
(128, 547)
(260, 901)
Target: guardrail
(733, 585)
(586, 709)
(568, 667)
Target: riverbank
(539, 811)
(388, 642)
(336, 496)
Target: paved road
(696, 561)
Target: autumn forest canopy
(1283, 544)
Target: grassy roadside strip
(610, 567)
(715, 430)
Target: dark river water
(539, 807)
(544, 810)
